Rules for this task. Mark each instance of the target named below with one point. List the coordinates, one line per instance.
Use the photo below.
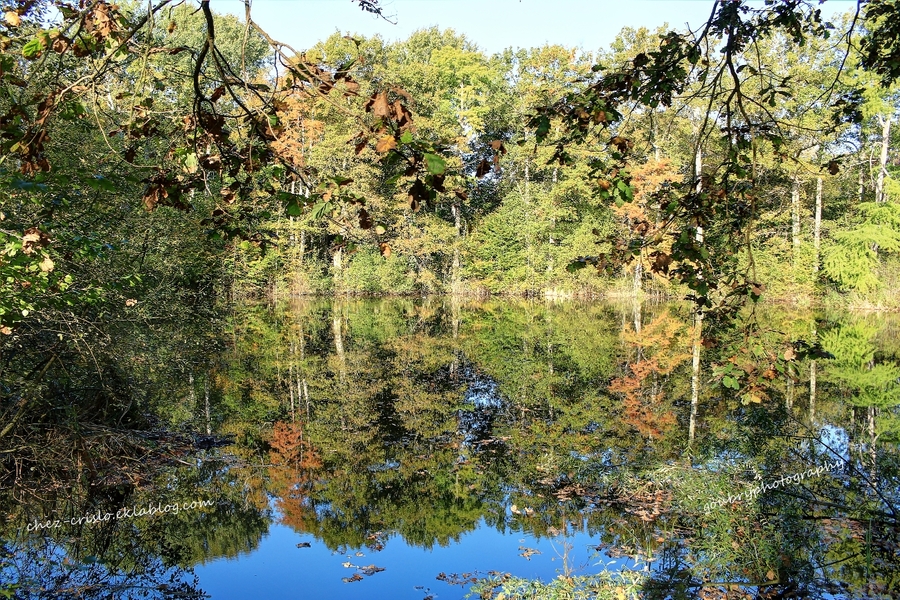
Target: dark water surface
(399, 448)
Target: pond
(431, 448)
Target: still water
(402, 448)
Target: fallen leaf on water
(371, 570)
(356, 577)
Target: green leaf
(191, 164)
(543, 128)
(30, 186)
(321, 209)
(575, 266)
(32, 49)
(435, 164)
(406, 138)
(293, 208)
(101, 183)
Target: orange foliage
(299, 131)
(646, 180)
(293, 473)
(662, 346)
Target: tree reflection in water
(358, 421)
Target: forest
(172, 177)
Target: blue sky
(492, 24)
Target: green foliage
(370, 273)
(853, 256)
(871, 382)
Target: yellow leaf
(385, 144)
(751, 397)
(12, 17)
(620, 593)
(46, 265)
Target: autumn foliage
(661, 347)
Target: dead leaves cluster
(367, 570)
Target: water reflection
(406, 430)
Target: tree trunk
(795, 220)
(638, 276)
(206, 398)
(455, 276)
(812, 393)
(337, 261)
(789, 393)
(191, 386)
(873, 452)
(817, 225)
(698, 323)
(302, 246)
(305, 396)
(861, 188)
(339, 344)
(291, 384)
(529, 250)
(695, 374)
(882, 170)
(336, 323)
